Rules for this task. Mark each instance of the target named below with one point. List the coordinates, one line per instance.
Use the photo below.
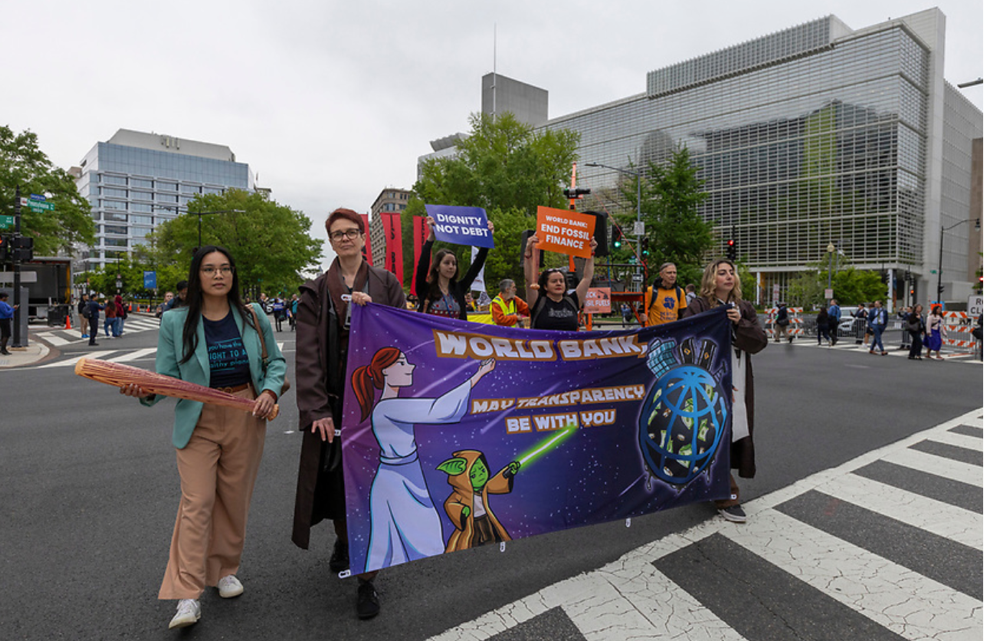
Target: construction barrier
(961, 324)
(795, 327)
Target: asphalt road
(89, 492)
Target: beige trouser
(218, 470)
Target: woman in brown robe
(721, 286)
(323, 316)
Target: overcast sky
(329, 102)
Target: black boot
(367, 604)
(339, 560)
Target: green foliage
(23, 163)
(671, 196)
(505, 167)
(270, 242)
(851, 286)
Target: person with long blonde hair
(719, 286)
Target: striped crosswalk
(887, 546)
(133, 325)
(118, 356)
(849, 345)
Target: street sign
(150, 280)
(6, 221)
(636, 278)
(828, 294)
(974, 304)
(37, 205)
(38, 197)
(638, 228)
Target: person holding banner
(323, 319)
(551, 306)
(214, 341)
(721, 286)
(440, 291)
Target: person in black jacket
(440, 291)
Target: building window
(166, 186)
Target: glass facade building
(136, 181)
(814, 135)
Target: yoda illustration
(468, 506)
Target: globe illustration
(681, 424)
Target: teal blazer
(170, 350)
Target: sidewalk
(20, 356)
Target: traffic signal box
(22, 248)
(4, 249)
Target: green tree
(505, 167)
(269, 241)
(22, 163)
(675, 232)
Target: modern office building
(814, 136)
(135, 181)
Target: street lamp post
(939, 270)
(638, 177)
(206, 213)
(830, 269)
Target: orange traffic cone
(68, 320)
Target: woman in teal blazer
(214, 341)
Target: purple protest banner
(461, 225)
(457, 434)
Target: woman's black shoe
(339, 560)
(367, 605)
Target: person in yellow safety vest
(665, 300)
(507, 308)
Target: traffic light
(732, 249)
(22, 248)
(616, 236)
(645, 246)
(4, 249)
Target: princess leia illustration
(405, 525)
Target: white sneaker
(189, 611)
(229, 586)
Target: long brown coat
(463, 496)
(320, 381)
(748, 336)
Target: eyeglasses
(208, 270)
(351, 234)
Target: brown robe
(322, 347)
(748, 336)
(464, 496)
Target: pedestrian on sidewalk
(94, 308)
(109, 325)
(782, 323)
(721, 286)
(877, 321)
(218, 448)
(916, 328)
(861, 328)
(823, 326)
(6, 320)
(83, 309)
(120, 314)
(935, 332)
(834, 314)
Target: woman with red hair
(405, 523)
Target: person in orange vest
(507, 308)
(665, 300)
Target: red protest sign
(564, 231)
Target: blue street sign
(150, 280)
(38, 198)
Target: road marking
(631, 598)
(949, 521)
(132, 356)
(72, 361)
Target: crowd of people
(209, 336)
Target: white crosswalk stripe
(70, 362)
(633, 598)
(134, 355)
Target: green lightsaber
(547, 444)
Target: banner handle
(628, 522)
(502, 546)
(344, 574)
